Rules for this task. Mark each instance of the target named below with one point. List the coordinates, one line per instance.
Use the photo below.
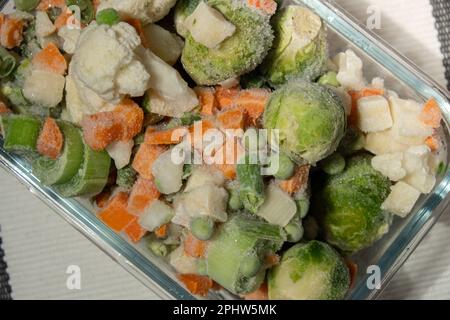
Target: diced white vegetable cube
(164, 44)
(416, 159)
(155, 215)
(350, 73)
(181, 262)
(69, 37)
(401, 200)
(405, 114)
(207, 200)
(44, 88)
(383, 142)
(421, 180)
(170, 94)
(203, 175)
(390, 165)
(208, 26)
(120, 152)
(373, 114)
(168, 174)
(44, 25)
(278, 208)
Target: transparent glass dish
(388, 254)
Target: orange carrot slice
(226, 97)
(131, 117)
(198, 285)
(433, 143)
(115, 214)
(271, 260)
(4, 108)
(162, 231)
(102, 199)
(297, 181)
(262, 293)
(353, 270)
(253, 102)
(226, 158)
(137, 24)
(207, 100)
(50, 59)
(194, 247)
(231, 119)
(166, 137)
(431, 114)
(134, 231)
(268, 6)
(123, 123)
(44, 5)
(143, 193)
(100, 129)
(11, 32)
(145, 157)
(63, 18)
(51, 139)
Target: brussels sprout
(300, 46)
(310, 119)
(240, 53)
(312, 271)
(349, 205)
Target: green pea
(294, 231)
(286, 166)
(250, 265)
(202, 228)
(234, 201)
(108, 16)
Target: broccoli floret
(126, 177)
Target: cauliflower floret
(69, 38)
(44, 25)
(146, 10)
(105, 62)
(44, 88)
(350, 73)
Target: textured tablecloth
(40, 246)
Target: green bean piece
(7, 63)
(22, 133)
(26, 5)
(108, 16)
(202, 228)
(251, 185)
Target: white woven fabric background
(39, 245)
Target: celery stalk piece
(278, 208)
(61, 170)
(251, 188)
(92, 176)
(236, 253)
(22, 133)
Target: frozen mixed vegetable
(238, 150)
